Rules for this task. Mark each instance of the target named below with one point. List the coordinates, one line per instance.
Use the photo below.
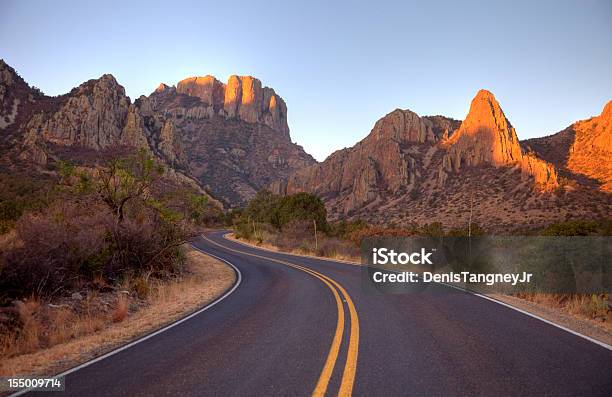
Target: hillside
(582, 151)
(231, 140)
(413, 169)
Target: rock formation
(425, 169)
(487, 137)
(233, 139)
(387, 160)
(582, 151)
(242, 98)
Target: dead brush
(24, 338)
(591, 306)
(29, 335)
(121, 309)
(142, 285)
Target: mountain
(487, 137)
(582, 151)
(231, 139)
(413, 169)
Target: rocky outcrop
(229, 145)
(242, 98)
(487, 137)
(388, 161)
(581, 152)
(96, 115)
(233, 139)
(413, 169)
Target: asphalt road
(303, 325)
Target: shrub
(302, 207)
(55, 247)
(121, 309)
(102, 232)
(278, 211)
(577, 228)
(22, 193)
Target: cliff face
(95, 115)
(242, 98)
(582, 151)
(427, 169)
(388, 160)
(223, 135)
(487, 137)
(232, 138)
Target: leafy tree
(196, 206)
(278, 211)
(303, 206)
(125, 180)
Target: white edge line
(571, 331)
(148, 336)
(597, 342)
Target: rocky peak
(92, 115)
(106, 84)
(16, 98)
(488, 131)
(161, 88)
(243, 98)
(406, 127)
(487, 137)
(7, 74)
(485, 112)
(606, 113)
(581, 151)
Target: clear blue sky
(340, 66)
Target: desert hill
(413, 169)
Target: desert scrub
(109, 221)
(591, 306)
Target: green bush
(578, 228)
(279, 211)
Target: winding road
(300, 326)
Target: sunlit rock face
(486, 136)
(582, 151)
(233, 137)
(207, 88)
(243, 98)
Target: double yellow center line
(350, 367)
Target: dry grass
(56, 338)
(299, 242)
(121, 310)
(43, 326)
(592, 307)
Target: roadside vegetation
(288, 224)
(82, 248)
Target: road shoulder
(207, 279)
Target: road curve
(295, 321)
